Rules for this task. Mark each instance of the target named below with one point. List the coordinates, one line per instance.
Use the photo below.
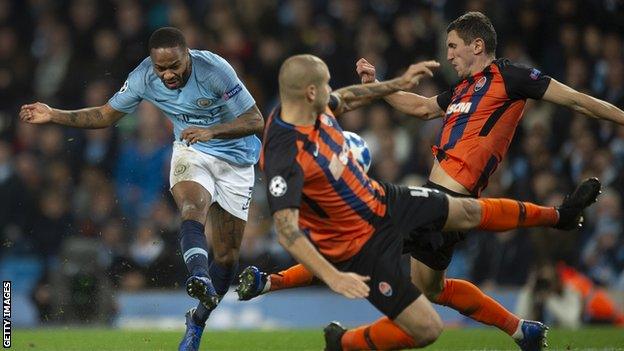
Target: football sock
(292, 277)
(201, 314)
(222, 276)
(506, 214)
(381, 335)
(468, 300)
(194, 247)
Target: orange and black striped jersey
(311, 168)
(482, 113)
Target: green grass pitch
(452, 339)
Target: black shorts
(428, 244)
(391, 289)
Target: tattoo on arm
(87, 118)
(354, 96)
(287, 226)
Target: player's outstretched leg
(469, 300)
(505, 214)
(253, 282)
(193, 334)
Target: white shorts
(229, 185)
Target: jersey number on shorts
(418, 191)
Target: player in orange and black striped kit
(481, 113)
(347, 229)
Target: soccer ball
(359, 149)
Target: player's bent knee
(433, 291)
(428, 333)
(434, 330)
(431, 331)
(421, 322)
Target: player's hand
(416, 72)
(365, 70)
(36, 113)
(350, 285)
(194, 134)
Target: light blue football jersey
(213, 94)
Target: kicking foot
(251, 283)
(571, 209)
(201, 288)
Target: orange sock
(468, 300)
(292, 277)
(505, 214)
(381, 335)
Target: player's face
(459, 54)
(172, 66)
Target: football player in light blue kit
(215, 119)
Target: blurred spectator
(546, 298)
(560, 295)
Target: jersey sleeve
(444, 99)
(131, 93)
(229, 86)
(283, 173)
(524, 82)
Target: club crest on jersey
(203, 102)
(326, 120)
(385, 289)
(480, 83)
(278, 186)
(179, 169)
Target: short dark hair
(473, 25)
(167, 37)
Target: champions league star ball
(359, 149)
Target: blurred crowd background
(90, 210)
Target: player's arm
(562, 94)
(88, 118)
(415, 105)
(408, 103)
(354, 96)
(297, 244)
(248, 123)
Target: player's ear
(310, 92)
(478, 46)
